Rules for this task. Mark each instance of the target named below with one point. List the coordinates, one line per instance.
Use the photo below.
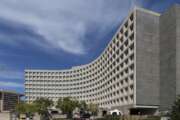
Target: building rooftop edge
(79, 66)
(147, 11)
(13, 92)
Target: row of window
(110, 76)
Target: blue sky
(58, 34)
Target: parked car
(22, 117)
(85, 115)
(76, 115)
(55, 114)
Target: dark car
(85, 115)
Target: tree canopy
(42, 105)
(175, 114)
(25, 108)
(93, 108)
(67, 105)
(21, 108)
(83, 105)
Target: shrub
(175, 114)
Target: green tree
(93, 108)
(67, 105)
(175, 114)
(42, 105)
(30, 109)
(21, 108)
(83, 106)
(25, 108)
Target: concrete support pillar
(2, 100)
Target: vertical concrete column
(2, 101)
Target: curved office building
(126, 76)
(108, 80)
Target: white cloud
(11, 84)
(64, 23)
(6, 72)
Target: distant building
(137, 73)
(8, 100)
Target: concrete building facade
(139, 70)
(8, 100)
(169, 56)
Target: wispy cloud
(10, 78)
(7, 72)
(11, 84)
(64, 24)
(11, 75)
